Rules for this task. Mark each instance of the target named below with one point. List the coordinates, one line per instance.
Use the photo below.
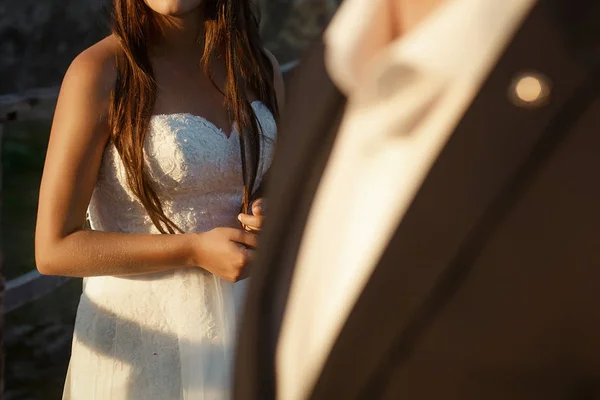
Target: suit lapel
(464, 194)
(303, 147)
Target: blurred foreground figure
(441, 241)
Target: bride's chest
(183, 150)
(186, 153)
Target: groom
(434, 217)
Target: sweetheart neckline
(206, 121)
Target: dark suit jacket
(490, 286)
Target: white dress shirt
(405, 97)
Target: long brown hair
(231, 32)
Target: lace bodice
(196, 170)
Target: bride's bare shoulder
(96, 66)
(85, 93)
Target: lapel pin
(530, 90)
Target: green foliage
(23, 152)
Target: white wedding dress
(167, 335)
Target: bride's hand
(254, 222)
(225, 252)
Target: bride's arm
(77, 141)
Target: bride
(162, 133)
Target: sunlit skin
(175, 8)
(254, 221)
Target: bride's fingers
(248, 259)
(253, 222)
(259, 207)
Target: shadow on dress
(149, 358)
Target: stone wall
(39, 38)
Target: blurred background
(38, 40)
